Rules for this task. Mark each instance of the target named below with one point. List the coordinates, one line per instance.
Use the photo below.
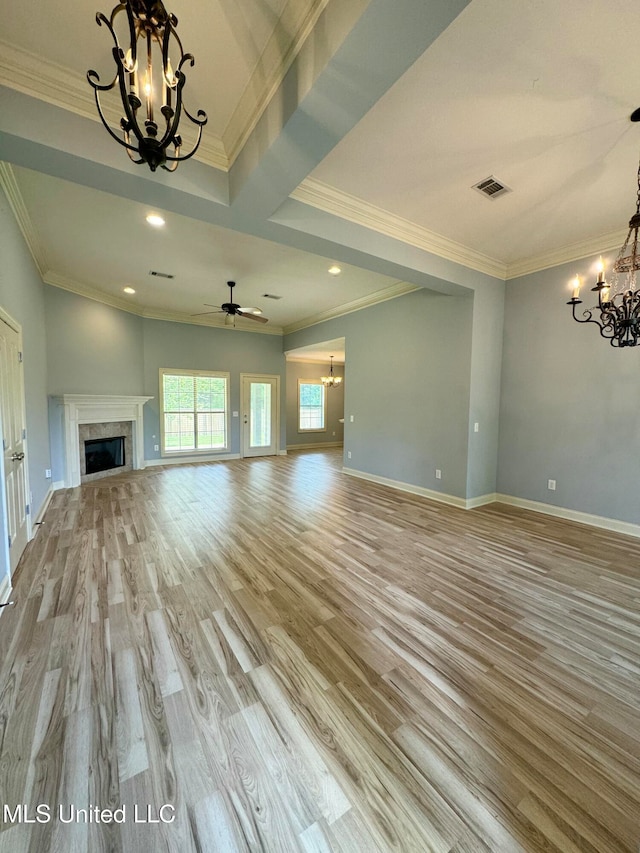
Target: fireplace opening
(102, 454)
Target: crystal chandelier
(331, 381)
(617, 313)
(151, 91)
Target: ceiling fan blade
(211, 306)
(257, 317)
(202, 313)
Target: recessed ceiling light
(334, 270)
(155, 219)
(128, 289)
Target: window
(311, 406)
(195, 411)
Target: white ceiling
(320, 352)
(240, 47)
(96, 242)
(535, 92)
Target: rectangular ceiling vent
(491, 187)
(161, 274)
(270, 296)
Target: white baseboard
(535, 506)
(58, 484)
(282, 453)
(318, 445)
(572, 515)
(441, 497)
(44, 507)
(190, 460)
(481, 500)
(5, 592)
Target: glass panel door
(260, 415)
(260, 402)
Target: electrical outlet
(47, 473)
(156, 447)
(351, 418)
(334, 432)
(551, 485)
(348, 454)
(438, 474)
(476, 427)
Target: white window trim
(302, 430)
(208, 451)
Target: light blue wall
(92, 348)
(407, 387)
(335, 404)
(484, 401)
(570, 403)
(21, 296)
(96, 349)
(179, 345)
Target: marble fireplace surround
(96, 409)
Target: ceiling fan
(233, 310)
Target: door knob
(17, 457)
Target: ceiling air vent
(161, 274)
(270, 296)
(491, 187)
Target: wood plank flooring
(289, 659)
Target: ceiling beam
(355, 53)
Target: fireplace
(104, 454)
(92, 416)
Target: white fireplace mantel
(96, 409)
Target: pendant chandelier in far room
(617, 313)
(331, 381)
(150, 88)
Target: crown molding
(298, 359)
(346, 206)
(572, 252)
(19, 209)
(80, 289)
(55, 84)
(400, 288)
(327, 198)
(269, 72)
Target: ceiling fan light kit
(617, 314)
(233, 310)
(150, 88)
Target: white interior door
(260, 415)
(12, 427)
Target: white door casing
(260, 421)
(12, 428)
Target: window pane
(178, 432)
(311, 411)
(211, 430)
(195, 416)
(210, 393)
(260, 417)
(311, 395)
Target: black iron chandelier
(331, 381)
(151, 91)
(617, 313)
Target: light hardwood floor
(296, 660)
